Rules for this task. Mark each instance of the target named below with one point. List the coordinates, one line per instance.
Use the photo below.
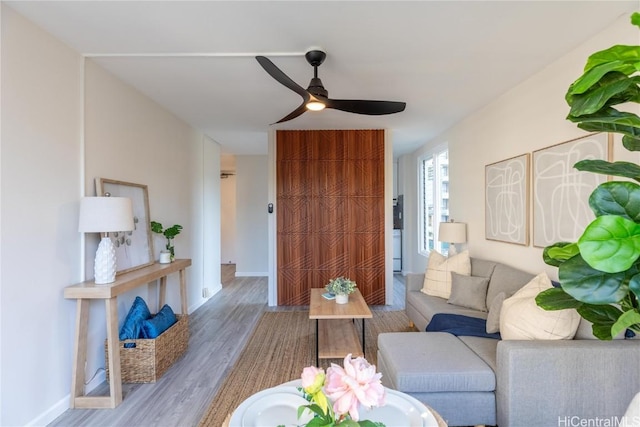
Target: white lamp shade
(452, 232)
(105, 214)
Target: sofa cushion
(493, 318)
(482, 267)
(469, 291)
(432, 362)
(485, 348)
(522, 319)
(437, 278)
(429, 306)
(506, 279)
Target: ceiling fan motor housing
(317, 89)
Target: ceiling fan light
(315, 106)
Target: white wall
(251, 208)
(65, 122)
(528, 117)
(40, 244)
(211, 216)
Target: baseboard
(52, 413)
(251, 274)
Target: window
(433, 188)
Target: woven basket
(150, 358)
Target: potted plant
(600, 273)
(341, 287)
(170, 233)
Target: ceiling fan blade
(295, 113)
(281, 77)
(372, 108)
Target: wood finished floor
(219, 330)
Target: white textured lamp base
(452, 249)
(104, 267)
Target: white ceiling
(445, 59)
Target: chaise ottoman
(438, 369)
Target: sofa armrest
(414, 281)
(544, 383)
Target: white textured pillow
(437, 278)
(522, 319)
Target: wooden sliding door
(330, 212)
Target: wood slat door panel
(330, 212)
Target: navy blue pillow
(132, 327)
(152, 328)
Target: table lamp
(452, 232)
(103, 215)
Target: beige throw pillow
(522, 319)
(437, 278)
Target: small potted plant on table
(170, 233)
(341, 287)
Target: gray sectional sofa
(474, 380)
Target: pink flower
(358, 383)
(312, 379)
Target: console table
(86, 291)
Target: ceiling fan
(316, 97)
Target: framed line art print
(507, 200)
(561, 193)
(134, 249)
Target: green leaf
(609, 120)
(635, 19)
(620, 198)
(156, 227)
(610, 243)
(556, 299)
(631, 143)
(315, 409)
(614, 88)
(172, 231)
(603, 318)
(589, 285)
(559, 252)
(367, 423)
(626, 320)
(618, 53)
(634, 285)
(624, 169)
(319, 422)
(601, 63)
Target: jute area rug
(281, 346)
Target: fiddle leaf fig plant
(600, 273)
(170, 233)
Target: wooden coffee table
(336, 334)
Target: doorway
(228, 211)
